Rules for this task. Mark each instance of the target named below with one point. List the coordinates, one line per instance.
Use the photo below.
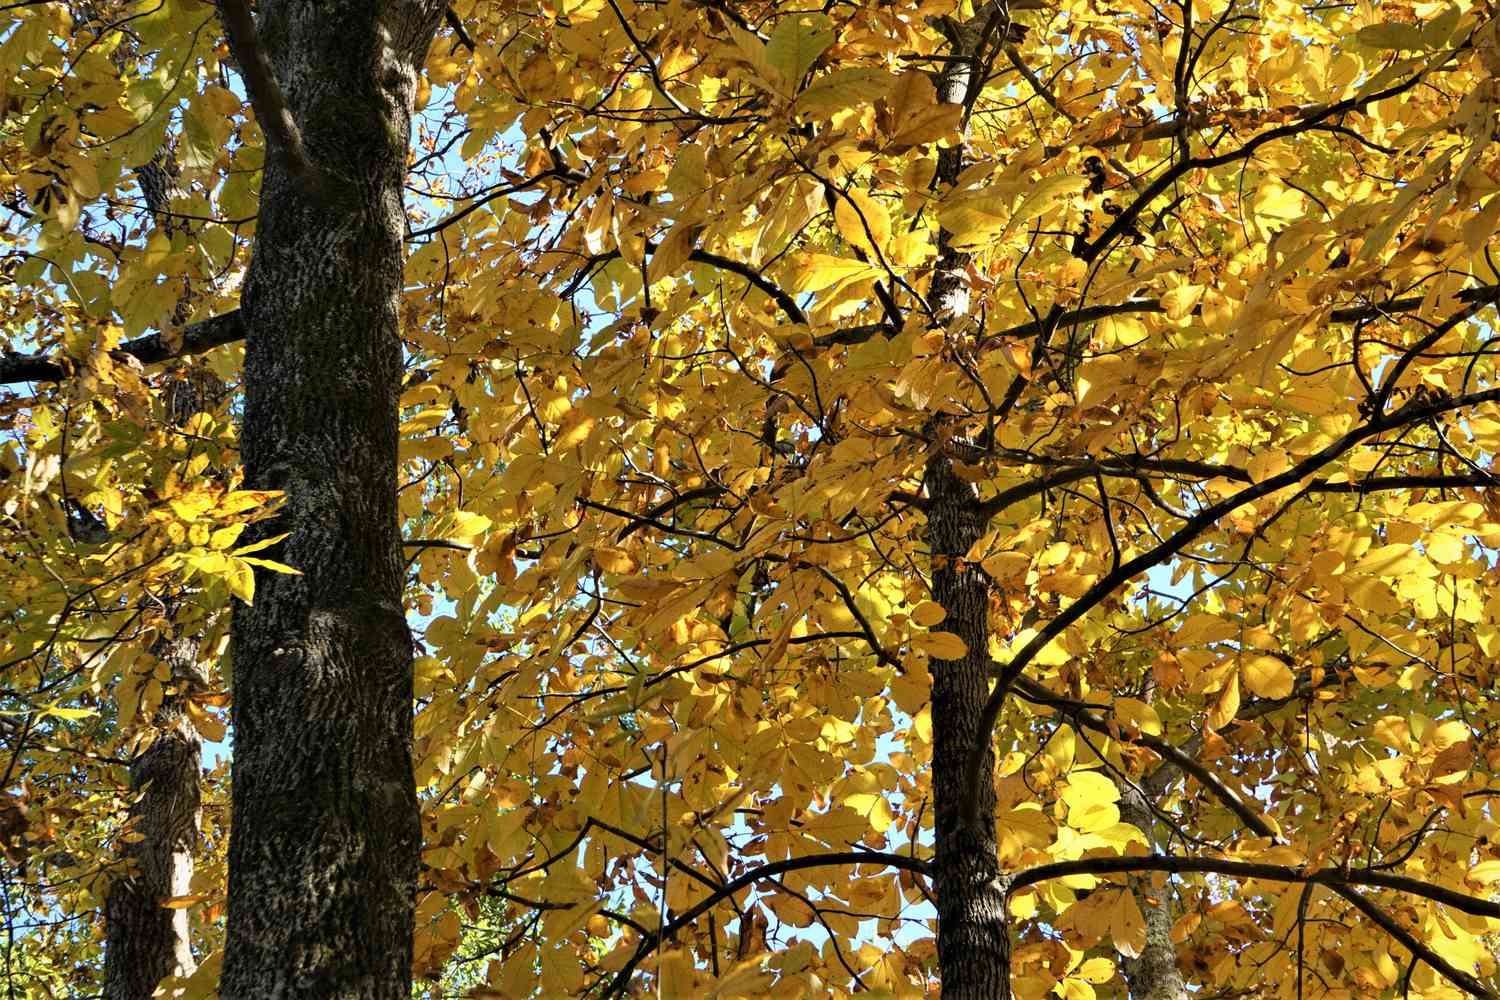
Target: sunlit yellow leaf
(1267, 677)
(928, 614)
(940, 645)
(1134, 712)
(613, 560)
(863, 221)
(818, 271)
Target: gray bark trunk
(144, 941)
(973, 925)
(973, 930)
(1153, 974)
(326, 834)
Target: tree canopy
(857, 462)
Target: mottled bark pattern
(326, 837)
(973, 933)
(973, 926)
(144, 941)
(1152, 975)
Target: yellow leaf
(819, 271)
(928, 614)
(468, 525)
(1395, 561)
(1126, 925)
(1202, 629)
(1090, 798)
(191, 506)
(860, 218)
(874, 807)
(272, 565)
(796, 42)
(1228, 704)
(916, 116)
(744, 979)
(241, 580)
(844, 88)
(1278, 205)
(224, 537)
(1179, 301)
(1074, 989)
(207, 724)
(673, 251)
(67, 713)
(1024, 826)
(940, 645)
(1007, 566)
(613, 560)
(911, 94)
(1134, 712)
(1040, 196)
(1267, 677)
(754, 53)
(183, 902)
(597, 227)
(1097, 971)
(1087, 787)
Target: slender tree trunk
(326, 835)
(973, 931)
(1153, 974)
(144, 941)
(973, 926)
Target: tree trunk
(973, 925)
(1153, 974)
(326, 833)
(973, 930)
(144, 941)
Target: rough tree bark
(1153, 974)
(144, 941)
(973, 926)
(973, 933)
(325, 841)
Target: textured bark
(1153, 974)
(973, 925)
(973, 934)
(144, 941)
(325, 839)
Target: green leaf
(1390, 35)
(796, 42)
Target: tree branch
(457, 24)
(652, 941)
(150, 349)
(1175, 865)
(1415, 411)
(1034, 691)
(1463, 980)
(282, 134)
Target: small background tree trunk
(144, 941)
(1152, 975)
